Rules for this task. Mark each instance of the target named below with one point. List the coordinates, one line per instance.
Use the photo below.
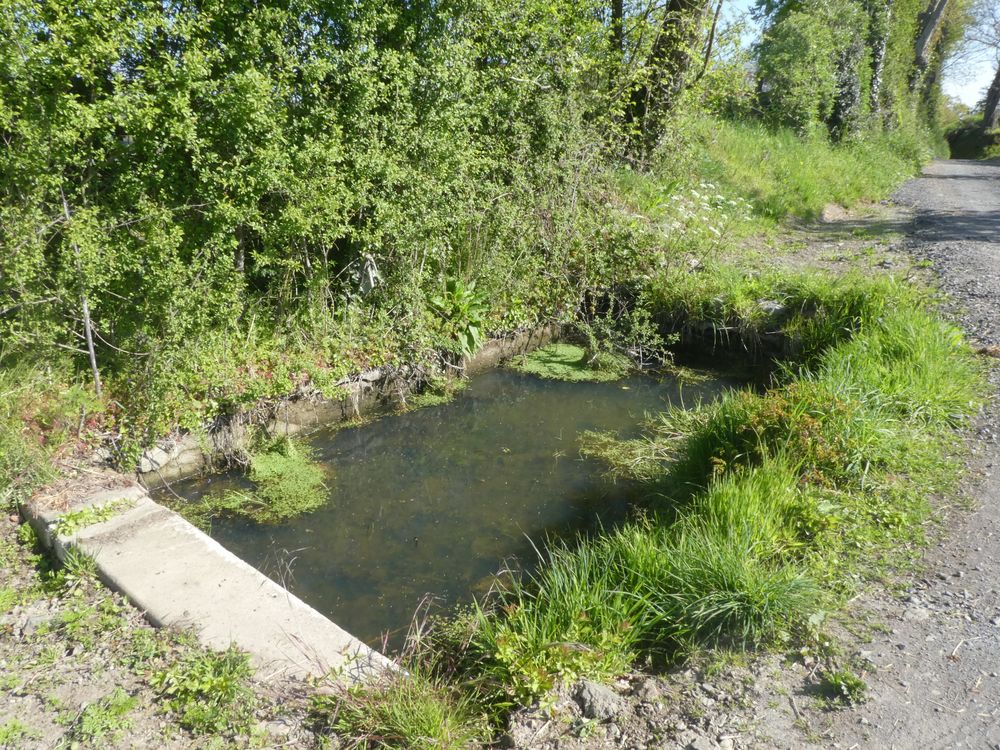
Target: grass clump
(209, 692)
(571, 362)
(415, 710)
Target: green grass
(417, 710)
(209, 692)
(765, 510)
(784, 175)
(14, 732)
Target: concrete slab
(179, 576)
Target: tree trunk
(618, 27)
(881, 23)
(991, 111)
(933, 19)
(846, 116)
(669, 61)
(88, 328)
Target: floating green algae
(573, 363)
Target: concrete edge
(180, 577)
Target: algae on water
(572, 362)
(287, 483)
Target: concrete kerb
(180, 577)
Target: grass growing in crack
(209, 692)
(77, 520)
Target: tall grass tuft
(416, 709)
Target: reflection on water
(433, 501)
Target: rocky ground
(79, 666)
(927, 650)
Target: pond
(434, 501)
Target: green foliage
(798, 62)
(287, 483)
(76, 520)
(845, 67)
(461, 311)
(14, 732)
(844, 687)
(253, 203)
(105, 721)
(209, 692)
(412, 710)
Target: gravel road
(936, 681)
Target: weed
(106, 720)
(9, 598)
(78, 567)
(77, 520)
(144, 647)
(844, 687)
(14, 732)
(209, 692)
(413, 710)
(461, 310)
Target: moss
(573, 363)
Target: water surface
(435, 500)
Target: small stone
(703, 743)
(597, 701)
(647, 690)
(772, 308)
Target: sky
(968, 86)
(966, 83)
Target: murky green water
(432, 502)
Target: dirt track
(937, 682)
